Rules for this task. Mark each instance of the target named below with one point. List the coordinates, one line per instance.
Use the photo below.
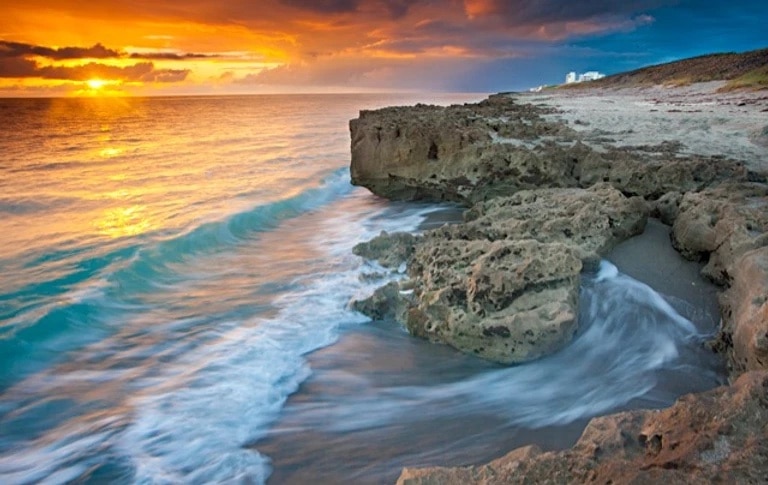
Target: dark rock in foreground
(718, 436)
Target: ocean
(175, 279)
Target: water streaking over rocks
(382, 401)
(169, 400)
(546, 199)
(167, 265)
(175, 299)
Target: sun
(99, 87)
(96, 84)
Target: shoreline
(377, 361)
(699, 161)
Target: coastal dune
(554, 181)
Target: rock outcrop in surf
(504, 285)
(545, 200)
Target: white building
(590, 76)
(572, 77)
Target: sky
(167, 47)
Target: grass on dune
(756, 79)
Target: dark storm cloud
(324, 6)
(169, 56)
(18, 49)
(98, 51)
(398, 8)
(143, 71)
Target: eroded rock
(504, 284)
(651, 174)
(714, 437)
(720, 224)
(388, 249)
(460, 153)
(594, 220)
(476, 152)
(506, 301)
(666, 207)
(534, 222)
(744, 336)
(387, 302)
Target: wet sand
(650, 258)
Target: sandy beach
(699, 117)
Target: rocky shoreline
(550, 189)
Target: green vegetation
(756, 79)
(747, 70)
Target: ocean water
(175, 276)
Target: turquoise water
(174, 270)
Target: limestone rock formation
(666, 207)
(476, 152)
(456, 153)
(504, 285)
(506, 301)
(721, 223)
(593, 220)
(545, 201)
(389, 250)
(714, 437)
(745, 307)
(387, 302)
(653, 171)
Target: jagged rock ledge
(546, 200)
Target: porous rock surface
(744, 335)
(522, 171)
(475, 152)
(721, 223)
(719, 436)
(727, 226)
(430, 152)
(507, 301)
(504, 285)
(594, 220)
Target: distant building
(590, 76)
(572, 77)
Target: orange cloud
(271, 42)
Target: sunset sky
(147, 47)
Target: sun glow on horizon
(100, 87)
(96, 84)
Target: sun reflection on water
(110, 152)
(124, 222)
